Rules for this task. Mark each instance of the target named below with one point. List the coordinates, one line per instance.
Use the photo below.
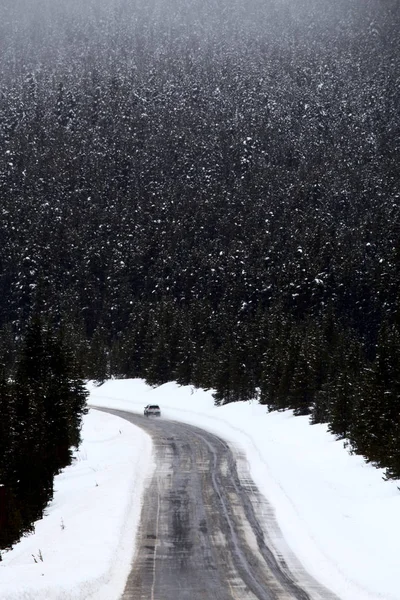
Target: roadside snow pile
(335, 511)
(83, 547)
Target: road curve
(206, 533)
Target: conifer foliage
(41, 406)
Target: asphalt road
(206, 532)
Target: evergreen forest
(205, 191)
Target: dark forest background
(200, 191)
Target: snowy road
(205, 530)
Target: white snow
(86, 539)
(336, 513)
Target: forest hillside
(205, 192)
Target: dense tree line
(41, 407)
(209, 192)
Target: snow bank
(83, 547)
(337, 514)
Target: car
(152, 409)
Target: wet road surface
(206, 533)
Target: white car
(152, 409)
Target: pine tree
(344, 390)
(64, 404)
(376, 432)
(34, 486)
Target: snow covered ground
(337, 514)
(86, 540)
